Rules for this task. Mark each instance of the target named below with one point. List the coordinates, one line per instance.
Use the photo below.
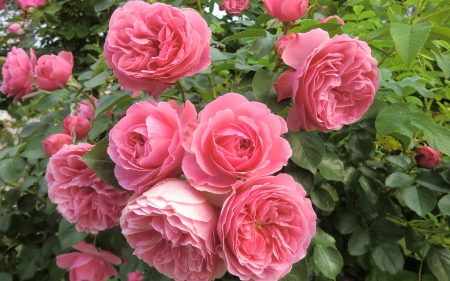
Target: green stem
(416, 12)
(386, 56)
(420, 270)
(90, 99)
(199, 7)
(181, 90)
(211, 81)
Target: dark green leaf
(387, 230)
(331, 166)
(370, 188)
(109, 101)
(328, 261)
(360, 147)
(53, 9)
(399, 180)
(414, 240)
(432, 181)
(264, 90)
(249, 33)
(437, 135)
(300, 175)
(419, 199)
(388, 257)
(409, 39)
(47, 102)
(103, 5)
(322, 199)
(34, 148)
(360, 241)
(99, 125)
(438, 261)
(299, 272)
(27, 203)
(68, 235)
(444, 205)
(26, 269)
(398, 161)
(12, 196)
(307, 149)
(11, 170)
(5, 222)
(5, 276)
(349, 222)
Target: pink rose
(55, 142)
(286, 10)
(90, 264)
(146, 144)
(18, 73)
(282, 42)
(135, 276)
(150, 46)
(3, 5)
(172, 228)
(53, 72)
(17, 27)
(80, 195)
(335, 80)
(427, 157)
(265, 226)
(86, 109)
(80, 125)
(340, 21)
(235, 139)
(30, 3)
(234, 7)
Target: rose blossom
(427, 157)
(53, 72)
(135, 276)
(86, 109)
(234, 7)
(265, 226)
(150, 46)
(30, 3)
(172, 228)
(80, 125)
(286, 10)
(3, 5)
(17, 27)
(18, 73)
(335, 80)
(146, 144)
(282, 42)
(235, 139)
(80, 195)
(90, 264)
(325, 20)
(55, 142)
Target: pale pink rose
(80, 195)
(172, 228)
(80, 125)
(135, 276)
(53, 72)
(265, 226)
(340, 21)
(55, 142)
(17, 27)
(235, 139)
(335, 80)
(90, 264)
(146, 144)
(86, 109)
(282, 42)
(18, 73)
(149, 46)
(234, 7)
(286, 10)
(427, 157)
(30, 3)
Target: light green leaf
(53, 9)
(249, 33)
(307, 149)
(328, 261)
(324, 239)
(390, 119)
(409, 39)
(262, 46)
(48, 102)
(109, 101)
(97, 80)
(331, 166)
(419, 199)
(11, 169)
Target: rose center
(259, 224)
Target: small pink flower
(428, 157)
(235, 139)
(78, 124)
(282, 42)
(234, 7)
(86, 109)
(53, 72)
(286, 10)
(172, 228)
(80, 195)
(55, 142)
(265, 226)
(161, 45)
(30, 3)
(18, 73)
(340, 21)
(17, 27)
(90, 264)
(135, 276)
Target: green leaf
(265, 92)
(388, 257)
(331, 166)
(360, 147)
(34, 148)
(97, 80)
(390, 119)
(103, 5)
(262, 46)
(299, 272)
(419, 199)
(11, 170)
(5, 222)
(349, 222)
(360, 241)
(53, 9)
(68, 234)
(100, 162)
(5, 276)
(99, 125)
(26, 269)
(109, 101)
(307, 149)
(370, 188)
(47, 102)
(409, 39)
(387, 230)
(432, 181)
(322, 199)
(217, 55)
(249, 33)
(438, 261)
(398, 161)
(300, 175)
(27, 203)
(444, 63)
(324, 239)
(413, 239)
(444, 205)
(37, 15)
(328, 261)
(437, 135)
(399, 180)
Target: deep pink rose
(53, 72)
(17, 27)
(265, 226)
(55, 142)
(80, 195)
(235, 139)
(90, 264)
(3, 5)
(282, 42)
(30, 3)
(335, 80)
(146, 144)
(286, 10)
(18, 73)
(80, 125)
(234, 7)
(150, 46)
(172, 228)
(427, 157)
(340, 21)
(135, 276)
(86, 109)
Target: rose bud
(53, 72)
(55, 142)
(286, 10)
(78, 124)
(427, 157)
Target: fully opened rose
(234, 139)
(265, 226)
(172, 228)
(151, 46)
(234, 7)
